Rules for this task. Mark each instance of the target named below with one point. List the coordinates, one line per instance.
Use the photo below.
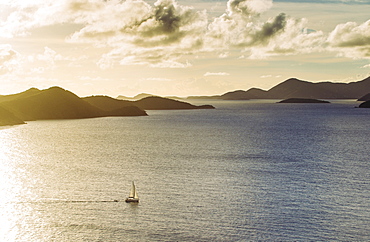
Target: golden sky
(180, 48)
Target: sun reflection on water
(11, 188)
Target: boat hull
(132, 200)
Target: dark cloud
(171, 24)
(354, 42)
(270, 29)
(239, 7)
(247, 8)
(167, 24)
(170, 21)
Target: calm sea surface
(245, 171)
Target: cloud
(351, 39)
(269, 30)
(216, 74)
(49, 56)
(158, 35)
(158, 79)
(159, 57)
(9, 59)
(280, 35)
(164, 34)
(366, 66)
(26, 15)
(46, 61)
(13, 63)
(247, 8)
(293, 39)
(270, 76)
(153, 35)
(238, 26)
(266, 76)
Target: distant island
(295, 88)
(57, 103)
(135, 98)
(160, 103)
(147, 103)
(302, 100)
(365, 104)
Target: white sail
(133, 195)
(133, 191)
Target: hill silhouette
(364, 98)
(160, 103)
(295, 88)
(8, 118)
(57, 103)
(29, 92)
(52, 103)
(148, 103)
(323, 90)
(137, 97)
(106, 103)
(114, 107)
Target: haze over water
(247, 170)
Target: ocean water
(245, 171)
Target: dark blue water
(245, 171)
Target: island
(302, 100)
(365, 104)
(58, 103)
(7, 118)
(293, 87)
(161, 103)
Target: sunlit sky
(181, 48)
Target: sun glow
(10, 188)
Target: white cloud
(216, 74)
(270, 76)
(351, 39)
(281, 35)
(266, 76)
(158, 79)
(366, 66)
(171, 64)
(46, 61)
(9, 59)
(49, 56)
(247, 8)
(223, 55)
(15, 64)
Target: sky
(180, 48)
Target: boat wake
(85, 201)
(73, 201)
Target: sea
(244, 171)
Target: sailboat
(133, 197)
